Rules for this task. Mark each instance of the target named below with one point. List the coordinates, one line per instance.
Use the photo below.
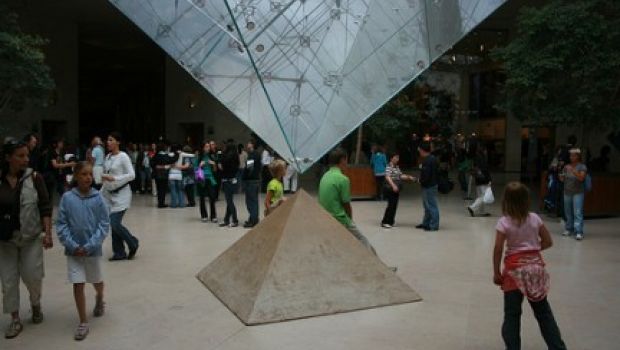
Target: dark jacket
(482, 176)
(252, 171)
(429, 172)
(161, 158)
(230, 165)
(10, 198)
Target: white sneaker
(566, 233)
(386, 226)
(579, 236)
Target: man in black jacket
(429, 171)
(251, 184)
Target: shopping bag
(488, 196)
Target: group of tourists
(520, 237)
(84, 218)
(96, 193)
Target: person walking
(429, 180)
(206, 184)
(393, 184)
(482, 178)
(574, 176)
(251, 184)
(82, 225)
(335, 195)
(243, 159)
(290, 179)
(161, 164)
(175, 178)
(189, 178)
(60, 165)
(26, 211)
(378, 162)
(97, 154)
(229, 168)
(524, 236)
(266, 159)
(216, 156)
(118, 173)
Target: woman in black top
(229, 167)
(160, 165)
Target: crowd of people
(96, 189)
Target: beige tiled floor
(154, 302)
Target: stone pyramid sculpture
(300, 262)
(303, 74)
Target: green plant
(563, 65)
(24, 76)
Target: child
(275, 188)
(82, 225)
(525, 235)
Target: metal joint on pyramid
(304, 74)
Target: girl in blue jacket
(82, 225)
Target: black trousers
(511, 329)
(190, 194)
(162, 188)
(379, 181)
(390, 212)
(265, 177)
(207, 190)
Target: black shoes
(132, 253)
(421, 226)
(471, 212)
(117, 258)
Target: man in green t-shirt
(335, 195)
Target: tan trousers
(25, 260)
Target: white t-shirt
(119, 166)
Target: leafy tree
(563, 66)
(24, 76)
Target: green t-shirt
(334, 191)
(277, 190)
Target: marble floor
(155, 302)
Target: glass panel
(304, 74)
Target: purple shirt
(520, 238)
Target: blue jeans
(176, 194)
(573, 209)
(251, 199)
(431, 210)
(229, 190)
(121, 235)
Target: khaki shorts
(84, 269)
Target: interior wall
(188, 102)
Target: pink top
(520, 238)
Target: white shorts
(84, 269)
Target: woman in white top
(118, 173)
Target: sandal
(14, 328)
(99, 309)
(81, 331)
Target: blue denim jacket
(83, 221)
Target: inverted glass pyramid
(304, 73)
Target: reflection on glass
(304, 74)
